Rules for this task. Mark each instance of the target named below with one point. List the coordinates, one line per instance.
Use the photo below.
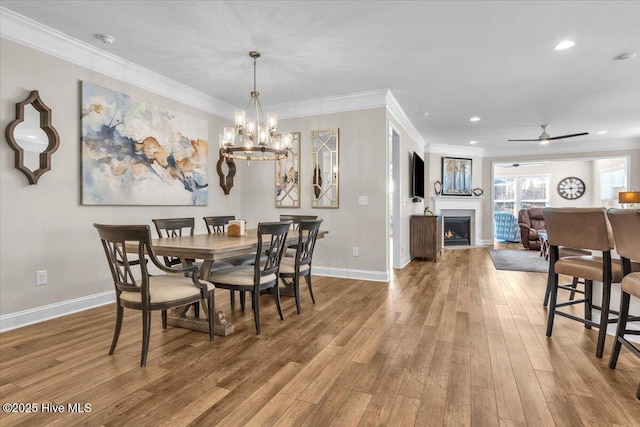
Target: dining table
(209, 248)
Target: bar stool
(581, 228)
(626, 232)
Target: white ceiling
(453, 59)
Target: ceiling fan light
(544, 141)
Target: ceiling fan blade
(520, 140)
(568, 136)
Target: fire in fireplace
(457, 230)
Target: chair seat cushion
(241, 275)
(288, 266)
(590, 268)
(567, 251)
(168, 287)
(631, 284)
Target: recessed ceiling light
(474, 119)
(31, 136)
(565, 44)
(425, 114)
(602, 132)
(473, 142)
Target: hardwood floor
(451, 343)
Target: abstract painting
(138, 153)
(287, 177)
(456, 177)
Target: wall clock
(571, 188)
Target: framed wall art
(456, 177)
(138, 153)
(288, 176)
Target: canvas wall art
(456, 177)
(287, 177)
(138, 153)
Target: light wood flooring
(451, 343)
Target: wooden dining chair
(173, 227)
(292, 269)
(625, 224)
(259, 276)
(218, 225)
(588, 229)
(290, 252)
(136, 289)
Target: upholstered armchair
(530, 221)
(506, 227)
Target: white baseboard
(40, 314)
(405, 261)
(345, 273)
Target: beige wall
(363, 172)
(44, 226)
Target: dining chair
(218, 225)
(625, 224)
(136, 289)
(259, 276)
(587, 229)
(292, 269)
(290, 252)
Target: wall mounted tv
(417, 178)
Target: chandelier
(253, 137)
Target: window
(514, 193)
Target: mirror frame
(317, 200)
(45, 124)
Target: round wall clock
(571, 188)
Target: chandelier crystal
(253, 137)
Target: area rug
(519, 260)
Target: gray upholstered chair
(260, 276)
(292, 269)
(137, 289)
(625, 224)
(589, 229)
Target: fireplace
(456, 230)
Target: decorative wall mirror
(287, 176)
(325, 172)
(226, 179)
(32, 137)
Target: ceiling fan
(518, 165)
(544, 137)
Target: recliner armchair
(531, 221)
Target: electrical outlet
(41, 277)
(363, 200)
(355, 251)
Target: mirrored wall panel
(325, 171)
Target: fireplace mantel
(446, 204)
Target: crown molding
(42, 38)
(455, 150)
(394, 108)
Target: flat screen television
(417, 178)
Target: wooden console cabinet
(426, 236)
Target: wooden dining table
(209, 248)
